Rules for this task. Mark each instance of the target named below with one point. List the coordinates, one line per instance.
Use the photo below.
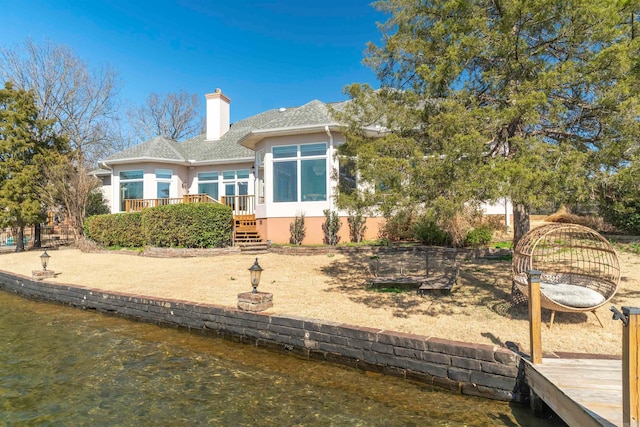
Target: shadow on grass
(483, 285)
(625, 293)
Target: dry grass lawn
(333, 288)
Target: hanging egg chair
(580, 268)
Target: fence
(50, 235)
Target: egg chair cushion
(571, 295)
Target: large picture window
(131, 186)
(208, 184)
(300, 173)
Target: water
(64, 366)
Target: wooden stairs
(246, 235)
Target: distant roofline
(176, 162)
(222, 161)
(142, 160)
(252, 138)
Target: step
(248, 236)
(251, 238)
(254, 247)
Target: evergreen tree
(25, 141)
(484, 99)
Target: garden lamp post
(255, 271)
(255, 301)
(44, 260)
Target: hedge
(189, 225)
(122, 229)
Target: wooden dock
(583, 392)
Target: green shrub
(297, 230)
(122, 229)
(331, 227)
(96, 205)
(624, 216)
(398, 226)
(188, 225)
(479, 236)
(427, 232)
(357, 226)
(619, 201)
(383, 241)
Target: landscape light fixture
(256, 271)
(44, 259)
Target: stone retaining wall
(473, 369)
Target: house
(269, 168)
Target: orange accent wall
(277, 229)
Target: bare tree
(81, 102)
(176, 116)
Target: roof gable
(158, 148)
(312, 113)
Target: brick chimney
(217, 114)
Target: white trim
(138, 160)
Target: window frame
(124, 181)
(161, 179)
(215, 181)
(301, 159)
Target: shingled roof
(158, 148)
(314, 114)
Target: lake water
(64, 366)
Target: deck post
(630, 367)
(535, 316)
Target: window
(300, 173)
(131, 187)
(163, 190)
(285, 181)
(236, 183)
(163, 183)
(164, 173)
(208, 184)
(130, 175)
(347, 176)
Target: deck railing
(241, 205)
(136, 205)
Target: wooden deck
(583, 392)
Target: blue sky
(262, 54)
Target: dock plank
(583, 392)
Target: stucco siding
(277, 229)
